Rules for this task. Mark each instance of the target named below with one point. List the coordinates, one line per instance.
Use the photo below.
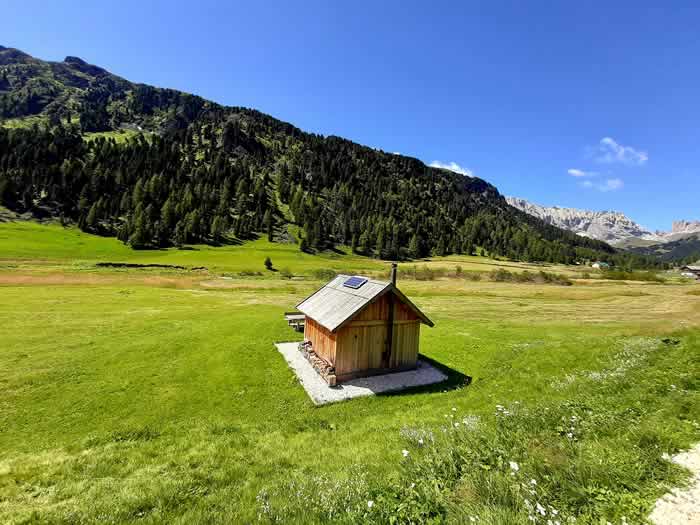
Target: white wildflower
(533, 482)
(541, 509)
(370, 504)
(405, 453)
(514, 466)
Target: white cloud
(580, 173)
(611, 185)
(452, 166)
(609, 151)
(608, 185)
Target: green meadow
(151, 395)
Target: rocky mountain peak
(613, 227)
(685, 227)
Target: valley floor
(147, 395)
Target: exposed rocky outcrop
(610, 226)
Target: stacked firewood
(323, 367)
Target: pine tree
(414, 247)
(91, 220)
(218, 227)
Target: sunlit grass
(133, 395)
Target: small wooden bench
(295, 320)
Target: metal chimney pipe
(393, 273)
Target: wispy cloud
(580, 173)
(607, 185)
(452, 166)
(609, 151)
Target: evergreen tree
(414, 247)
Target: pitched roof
(693, 268)
(334, 305)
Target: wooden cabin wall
(379, 310)
(323, 341)
(360, 345)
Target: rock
(610, 226)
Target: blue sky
(586, 105)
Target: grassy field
(156, 395)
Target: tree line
(225, 178)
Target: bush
(540, 277)
(268, 263)
(424, 273)
(324, 274)
(622, 275)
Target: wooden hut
(358, 327)
(693, 270)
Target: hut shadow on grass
(455, 380)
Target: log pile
(323, 367)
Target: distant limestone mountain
(610, 226)
(682, 229)
(681, 244)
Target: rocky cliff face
(610, 226)
(685, 227)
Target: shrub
(540, 277)
(623, 275)
(268, 263)
(249, 273)
(324, 274)
(424, 273)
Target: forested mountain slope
(685, 250)
(159, 167)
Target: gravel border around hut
(321, 394)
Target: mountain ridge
(159, 167)
(606, 225)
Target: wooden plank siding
(356, 349)
(360, 348)
(361, 343)
(323, 341)
(379, 310)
